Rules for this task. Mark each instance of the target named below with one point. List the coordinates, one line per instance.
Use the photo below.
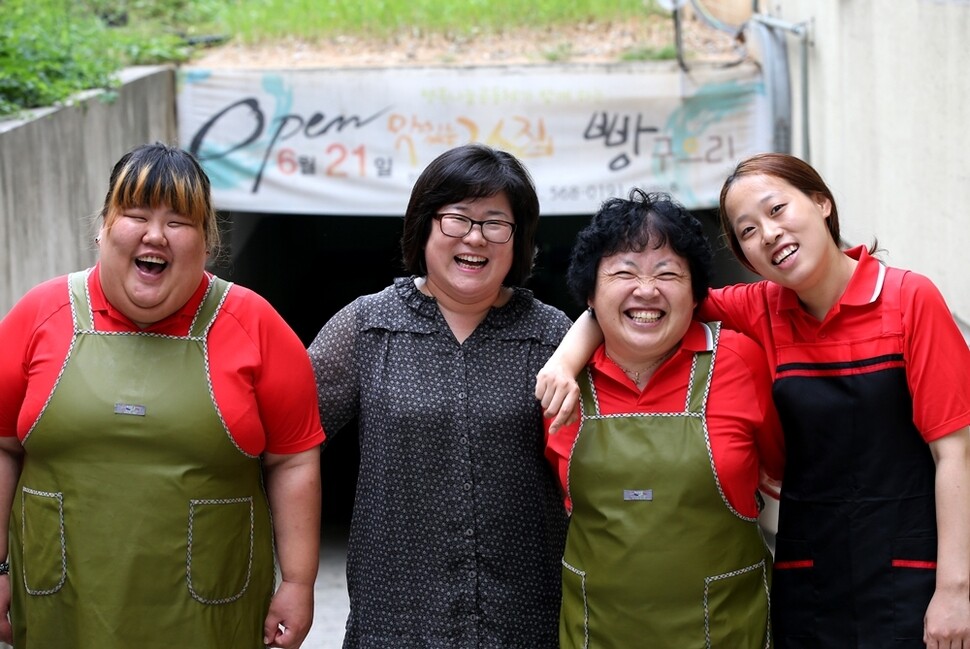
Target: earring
(97, 239)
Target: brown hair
(798, 173)
(152, 175)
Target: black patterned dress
(458, 525)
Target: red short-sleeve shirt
(261, 374)
(936, 355)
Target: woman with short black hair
(457, 526)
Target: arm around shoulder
(556, 386)
(742, 394)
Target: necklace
(645, 371)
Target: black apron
(856, 545)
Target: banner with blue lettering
(352, 141)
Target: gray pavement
(330, 594)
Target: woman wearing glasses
(458, 527)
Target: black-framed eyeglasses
(459, 225)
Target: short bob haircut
(465, 173)
(156, 175)
(644, 220)
(797, 173)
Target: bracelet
(4, 567)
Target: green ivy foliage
(48, 51)
(52, 49)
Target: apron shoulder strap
(890, 295)
(81, 312)
(215, 295)
(587, 394)
(701, 371)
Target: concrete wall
(888, 95)
(54, 174)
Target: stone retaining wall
(54, 169)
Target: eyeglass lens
(457, 226)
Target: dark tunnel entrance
(310, 266)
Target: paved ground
(330, 595)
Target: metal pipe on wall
(800, 30)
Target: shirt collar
(864, 286)
(866, 282)
(699, 338)
(176, 324)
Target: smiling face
(158, 228)
(644, 304)
(469, 269)
(152, 260)
(781, 231)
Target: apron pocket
(574, 617)
(220, 549)
(794, 596)
(736, 607)
(45, 551)
(914, 581)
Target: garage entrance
(310, 266)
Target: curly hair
(623, 225)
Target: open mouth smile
(644, 316)
(471, 261)
(784, 254)
(151, 264)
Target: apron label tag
(129, 409)
(638, 494)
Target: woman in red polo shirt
(152, 418)
(872, 384)
(661, 473)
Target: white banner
(352, 142)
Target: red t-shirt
(741, 419)
(936, 355)
(261, 374)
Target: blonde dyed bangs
(177, 184)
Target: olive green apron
(137, 522)
(655, 556)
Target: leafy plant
(136, 49)
(48, 53)
(51, 49)
(559, 54)
(665, 53)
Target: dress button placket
(466, 480)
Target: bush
(49, 53)
(52, 49)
